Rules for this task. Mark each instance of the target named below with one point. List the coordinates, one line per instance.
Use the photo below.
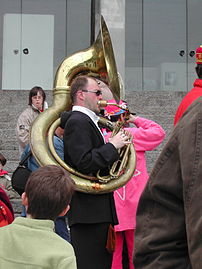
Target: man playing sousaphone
(91, 216)
(92, 213)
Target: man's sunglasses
(97, 93)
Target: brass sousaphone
(99, 59)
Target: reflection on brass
(118, 168)
(98, 59)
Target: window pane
(78, 25)
(133, 24)
(164, 35)
(6, 46)
(38, 35)
(49, 42)
(194, 37)
(156, 45)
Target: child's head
(48, 192)
(2, 161)
(114, 112)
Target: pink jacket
(147, 136)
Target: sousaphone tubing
(97, 59)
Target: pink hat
(112, 110)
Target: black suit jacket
(85, 150)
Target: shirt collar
(88, 112)
(35, 223)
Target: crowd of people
(155, 218)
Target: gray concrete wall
(159, 107)
(12, 104)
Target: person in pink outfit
(146, 136)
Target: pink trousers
(117, 255)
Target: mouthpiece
(102, 103)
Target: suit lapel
(96, 130)
(98, 133)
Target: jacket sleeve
(82, 150)
(169, 222)
(59, 147)
(25, 152)
(148, 134)
(22, 128)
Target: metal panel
(27, 51)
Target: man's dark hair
(2, 159)
(34, 91)
(78, 84)
(199, 70)
(49, 190)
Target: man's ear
(64, 211)
(24, 199)
(80, 95)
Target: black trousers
(89, 243)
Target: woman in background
(36, 105)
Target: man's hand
(121, 139)
(131, 118)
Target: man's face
(37, 101)
(91, 98)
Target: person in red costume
(5, 180)
(6, 209)
(195, 92)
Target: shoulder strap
(25, 158)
